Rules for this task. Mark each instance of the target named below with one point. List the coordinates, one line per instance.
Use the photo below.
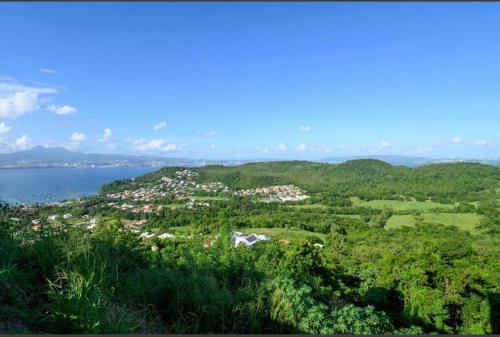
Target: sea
(42, 185)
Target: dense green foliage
(334, 265)
(364, 280)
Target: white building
(250, 240)
(146, 235)
(166, 236)
(67, 216)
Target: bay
(32, 185)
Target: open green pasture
(403, 205)
(464, 221)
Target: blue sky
(252, 80)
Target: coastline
(44, 185)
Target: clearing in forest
(464, 221)
(398, 205)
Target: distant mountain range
(40, 156)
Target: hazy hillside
(39, 155)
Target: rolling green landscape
(302, 168)
(361, 247)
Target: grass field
(464, 221)
(397, 221)
(283, 233)
(403, 205)
(181, 230)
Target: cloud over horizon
(22, 143)
(62, 110)
(155, 145)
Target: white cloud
(48, 71)
(18, 104)
(4, 128)
(107, 135)
(209, 133)
(212, 146)
(305, 128)
(302, 148)
(13, 87)
(456, 140)
(171, 148)
(386, 143)
(155, 145)
(160, 125)
(281, 147)
(22, 143)
(481, 143)
(76, 139)
(17, 99)
(62, 109)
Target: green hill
(366, 178)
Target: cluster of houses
(146, 194)
(212, 187)
(186, 174)
(146, 209)
(179, 187)
(281, 193)
(182, 186)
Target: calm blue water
(54, 184)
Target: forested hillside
(365, 178)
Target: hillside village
(281, 193)
(182, 186)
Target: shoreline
(43, 185)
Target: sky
(252, 80)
